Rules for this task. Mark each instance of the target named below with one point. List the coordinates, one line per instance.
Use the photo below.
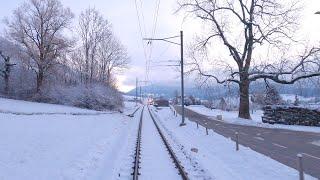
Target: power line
(147, 48)
(140, 29)
(153, 31)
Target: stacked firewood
(291, 115)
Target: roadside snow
(61, 147)
(292, 97)
(218, 156)
(26, 107)
(232, 117)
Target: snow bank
(292, 97)
(217, 154)
(18, 106)
(61, 147)
(232, 117)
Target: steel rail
(137, 153)
(182, 173)
(136, 173)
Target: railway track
(166, 145)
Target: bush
(94, 96)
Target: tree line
(43, 47)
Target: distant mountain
(218, 91)
(168, 91)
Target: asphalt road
(279, 144)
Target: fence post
(207, 131)
(197, 125)
(300, 167)
(237, 141)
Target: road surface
(279, 144)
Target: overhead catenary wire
(147, 48)
(153, 32)
(142, 32)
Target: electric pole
(182, 80)
(181, 65)
(139, 90)
(140, 94)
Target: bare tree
(77, 63)
(112, 57)
(37, 26)
(92, 29)
(242, 27)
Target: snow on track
(156, 162)
(193, 169)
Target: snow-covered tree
(272, 96)
(37, 26)
(242, 30)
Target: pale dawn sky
(123, 16)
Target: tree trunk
(6, 82)
(244, 106)
(39, 81)
(7, 75)
(108, 77)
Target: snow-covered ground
(216, 156)
(62, 146)
(292, 97)
(52, 142)
(232, 117)
(30, 108)
(155, 160)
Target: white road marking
(258, 134)
(275, 144)
(259, 138)
(311, 156)
(317, 143)
(243, 133)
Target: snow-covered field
(232, 117)
(62, 146)
(217, 157)
(31, 108)
(292, 97)
(52, 142)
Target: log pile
(291, 115)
